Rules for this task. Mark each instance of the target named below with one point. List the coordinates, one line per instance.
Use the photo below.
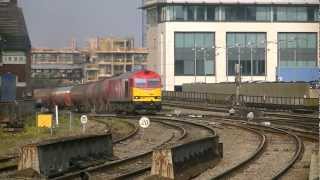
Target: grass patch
(10, 142)
(118, 127)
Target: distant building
(112, 56)
(202, 40)
(63, 64)
(15, 46)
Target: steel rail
(297, 154)
(133, 173)
(90, 170)
(256, 153)
(8, 168)
(202, 108)
(15, 166)
(225, 109)
(131, 134)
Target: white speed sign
(144, 122)
(84, 119)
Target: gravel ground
(279, 150)
(145, 140)
(278, 153)
(171, 110)
(193, 132)
(300, 170)
(235, 149)
(95, 127)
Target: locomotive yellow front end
(146, 92)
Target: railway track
(293, 125)
(265, 134)
(226, 108)
(254, 160)
(9, 164)
(259, 149)
(261, 131)
(306, 125)
(141, 164)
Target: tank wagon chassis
(138, 91)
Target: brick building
(15, 45)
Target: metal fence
(14, 113)
(229, 99)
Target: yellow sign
(44, 120)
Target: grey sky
(52, 23)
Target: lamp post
(195, 63)
(265, 43)
(251, 60)
(204, 50)
(278, 62)
(227, 60)
(239, 56)
(238, 76)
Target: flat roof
(289, 2)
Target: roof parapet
(149, 3)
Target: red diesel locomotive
(128, 92)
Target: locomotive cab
(146, 91)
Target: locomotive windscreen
(139, 82)
(154, 83)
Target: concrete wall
(254, 89)
(57, 156)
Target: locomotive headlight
(136, 97)
(157, 97)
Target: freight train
(129, 92)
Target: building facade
(202, 40)
(110, 56)
(64, 64)
(15, 47)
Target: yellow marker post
(44, 120)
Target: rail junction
(265, 147)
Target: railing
(256, 101)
